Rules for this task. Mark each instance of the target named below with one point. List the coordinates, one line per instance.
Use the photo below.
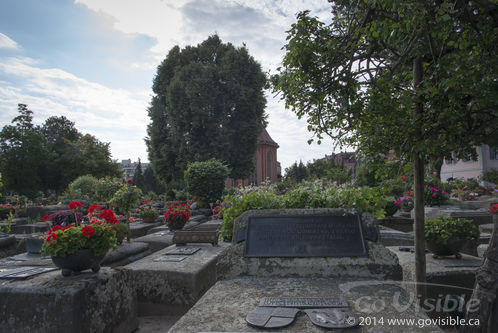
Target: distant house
(267, 166)
(487, 159)
(129, 168)
(348, 159)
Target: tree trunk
(482, 304)
(418, 183)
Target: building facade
(348, 159)
(267, 167)
(129, 168)
(487, 158)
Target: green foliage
(490, 175)
(138, 177)
(206, 180)
(264, 198)
(443, 229)
(308, 194)
(209, 103)
(82, 187)
(105, 188)
(70, 240)
(127, 196)
(296, 172)
(22, 153)
(150, 181)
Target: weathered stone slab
(126, 253)
(29, 228)
(102, 302)
(139, 229)
(304, 236)
(209, 225)
(399, 223)
(158, 240)
(183, 237)
(167, 284)
(448, 276)
(391, 237)
(379, 264)
(225, 306)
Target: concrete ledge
(175, 283)
(391, 237)
(224, 307)
(102, 302)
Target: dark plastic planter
(449, 249)
(78, 261)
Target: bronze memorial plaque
(305, 236)
(303, 302)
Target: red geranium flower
(92, 208)
(45, 217)
(493, 209)
(74, 205)
(50, 237)
(87, 231)
(108, 216)
(54, 228)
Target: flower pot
(451, 248)
(79, 261)
(149, 219)
(34, 245)
(176, 224)
(406, 209)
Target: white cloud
(112, 115)
(7, 43)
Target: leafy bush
(435, 196)
(127, 196)
(82, 187)
(235, 205)
(491, 176)
(308, 194)
(206, 180)
(443, 229)
(105, 188)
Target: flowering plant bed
(404, 203)
(176, 217)
(64, 241)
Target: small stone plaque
(183, 250)
(271, 317)
(170, 259)
(332, 318)
(305, 236)
(303, 302)
(24, 272)
(183, 237)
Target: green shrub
(82, 187)
(263, 198)
(490, 175)
(443, 229)
(127, 196)
(105, 188)
(307, 194)
(206, 180)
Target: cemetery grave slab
(158, 240)
(126, 253)
(225, 306)
(161, 283)
(378, 264)
(139, 229)
(49, 302)
(446, 276)
(392, 237)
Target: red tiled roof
(265, 139)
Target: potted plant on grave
(177, 216)
(77, 248)
(147, 214)
(122, 229)
(446, 236)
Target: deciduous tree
(208, 103)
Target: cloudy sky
(93, 61)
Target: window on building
(493, 153)
(269, 163)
